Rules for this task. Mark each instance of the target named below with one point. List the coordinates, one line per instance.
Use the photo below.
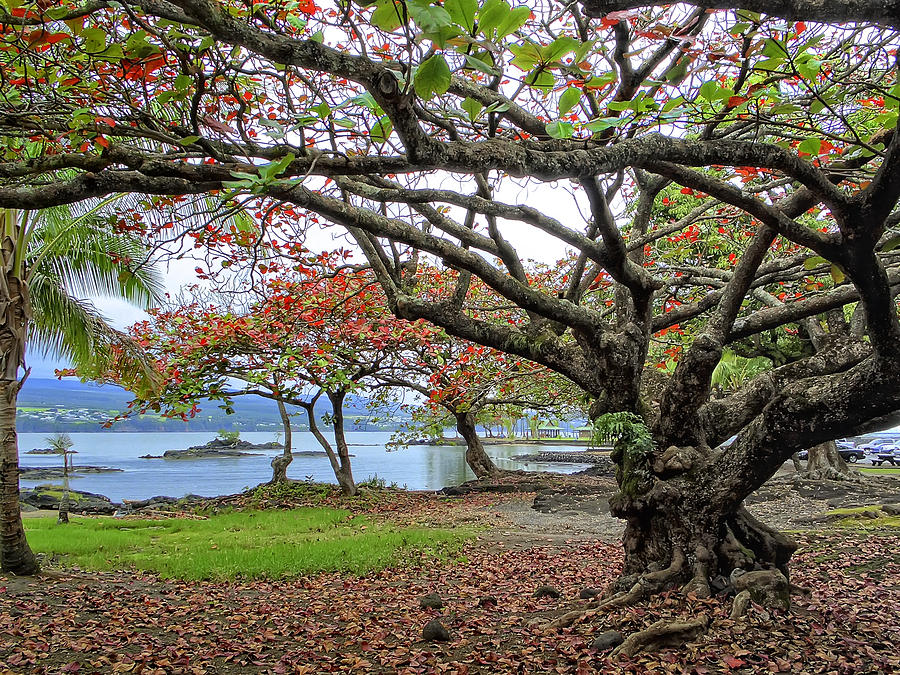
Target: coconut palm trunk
(15, 554)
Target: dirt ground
(67, 621)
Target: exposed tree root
(647, 584)
(768, 588)
(662, 634)
(830, 473)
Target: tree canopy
(702, 169)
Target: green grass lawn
(250, 544)
(879, 470)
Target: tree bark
(281, 462)
(63, 517)
(340, 460)
(824, 462)
(15, 554)
(344, 474)
(679, 532)
(477, 459)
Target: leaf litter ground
(70, 621)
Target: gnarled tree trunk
(824, 462)
(683, 530)
(477, 459)
(281, 462)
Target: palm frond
(88, 259)
(74, 329)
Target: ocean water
(419, 467)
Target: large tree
(459, 132)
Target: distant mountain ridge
(52, 405)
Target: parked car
(846, 449)
(851, 454)
(881, 451)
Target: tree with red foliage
(446, 130)
(311, 331)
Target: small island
(224, 445)
(52, 472)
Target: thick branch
(845, 11)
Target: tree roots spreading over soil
(848, 622)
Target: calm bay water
(419, 467)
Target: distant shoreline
(583, 442)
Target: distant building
(585, 431)
(549, 431)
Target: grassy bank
(249, 544)
(879, 470)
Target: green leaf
(478, 64)
(559, 48)
(513, 21)
(711, 91)
(273, 169)
(428, 17)
(837, 275)
(382, 129)
(296, 21)
(322, 110)
(432, 77)
(540, 79)
(604, 123)
(891, 244)
(472, 107)
(442, 36)
(569, 99)
(811, 146)
(94, 40)
(388, 15)
(183, 82)
(462, 12)
(619, 106)
(773, 49)
(526, 55)
(810, 69)
(560, 129)
(582, 51)
(813, 262)
(491, 15)
(187, 140)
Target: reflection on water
(416, 467)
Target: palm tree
(61, 444)
(49, 261)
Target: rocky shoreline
(53, 472)
(580, 457)
(47, 498)
(453, 442)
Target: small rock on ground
(608, 640)
(431, 601)
(435, 631)
(546, 592)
